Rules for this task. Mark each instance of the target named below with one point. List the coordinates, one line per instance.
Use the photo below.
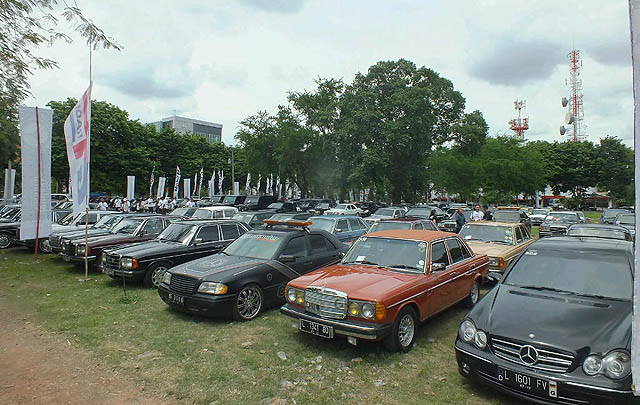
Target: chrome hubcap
(474, 293)
(44, 245)
(406, 330)
(4, 241)
(157, 275)
(249, 302)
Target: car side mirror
(287, 258)
(197, 241)
(338, 230)
(438, 266)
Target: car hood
(76, 233)
(149, 248)
(112, 239)
(537, 216)
(358, 281)
(489, 249)
(217, 267)
(563, 321)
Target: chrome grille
(113, 261)
(67, 247)
(183, 284)
(55, 241)
(325, 302)
(558, 229)
(548, 359)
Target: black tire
(154, 274)
(248, 303)
(474, 295)
(44, 246)
(403, 333)
(5, 240)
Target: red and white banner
(35, 147)
(77, 132)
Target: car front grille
(183, 284)
(559, 229)
(55, 241)
(67, 247)
(112, 261)
(548, 359)
(326, 302)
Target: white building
(210, 130)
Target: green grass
(199, 360)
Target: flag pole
(86, 215)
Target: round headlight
(617, 365)
(354, 309)
(467, 331)
(291, 294)
(480, 339)
(368, 311)
(592, 365)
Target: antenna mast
(519, 125)
(575, 116)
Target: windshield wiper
(362, 262)
(602, 297)
(497, 241)
(403, 266)
(539, 288)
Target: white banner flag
(220, 180)
(35, 144)
(131, 187)
(9, 183)
(151, 181)
(161, 182)
(247, 186)
(210, 186)
(187, 188)
(200, 183)
(176, 184)
(77, 133)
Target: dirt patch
(38, 367)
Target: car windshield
(581, 272)
(79, 219)
(246, 218)
(627, 219)
(419, 212)
(127, 225)
(275, 205)
(489, 234)
(322, 224)
(178, 232)
(540, 212)
(256, 245)
(385, 212)
(386, 225)
(203, 213)
(107, 221)
(508, 216)
(396, 254)
(341, 206)
(184, 212)
(252, 199)
(560, 217)
(229, 199)
(594, 232)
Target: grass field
(197, 360)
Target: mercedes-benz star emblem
(528, 355)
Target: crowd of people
(163, 205)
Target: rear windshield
(322, 224)
(607, 233)
(508, 216)
(385, 226)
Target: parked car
(403, 223)
(253, 219)
(232, 200)
(9, 233)
(387, 283)
(385, 213)
(249, 274)
(557, 328)
(627, 221)
(501, 241)
(180, 242)
(11, 214)
(102, 227)
(209, 201)
(609, 215)
(346, 228)
(80, 221)
(425, 212)
(599, 231)
(556, 223)
(344, 209)
(256, 202)
(512, 215)
(320, 208)
(537, 217)
(291, 216)
(449, 224)
(217, 211)
(283, 206)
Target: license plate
(529, 384)
(176, 299)
(316, 328)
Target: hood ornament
(531, 335)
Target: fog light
(465, 368)
(352, 340)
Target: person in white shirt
(102, 205)
(190, 203)
(151, 205)
(477, 215)
(126, 206)
(118, 204)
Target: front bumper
(345, 327)
(120, 272)
(482, 366)
(200, 304)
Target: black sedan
(575, 346)
(556, 223)
(179, 243)
(249, 274)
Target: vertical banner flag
(195, 183)
(187, 188)
(247, 186)
(77, 133)
(200, 184)
(259, 181)
(634, 17)
(220, 179)
(131, 187)
(210, 187)
(35, 146)
(9, 183)
(151, 181)
(278, 187)
(161, 182)
(176, 185)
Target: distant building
(210, 130)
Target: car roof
(200, 221)
(335, 217)
(404, 219)
(493, 223)
(599, 226)
(576, 242)
(412, 234)
(214, 207)
(563, 212)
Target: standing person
(102, 205)
(118, 204)
(434, 217)
(460, 219)
(172, 204)
(477, 215)
(126, 206)
(488, 216)
(151, 205)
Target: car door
(342, 230)
(151, 228)
(460, 275)
(206, 241)
(357, 229)
(321, 252)
(439, 271)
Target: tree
(470, 133)
(614, 167)
(575, 167)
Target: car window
(153, 226)
(455, 249)
(319, 245)
(296, 247)
(229, 231)
(356, 225)
(208, 233)
(525, 233)
(229, 213)
(93, 218)
(418, 225)
(465, 252)
(519, 236)
(439, 254)
(429, 226)
(342, 226)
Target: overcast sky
(222, 61)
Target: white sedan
(344, 209)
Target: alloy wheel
(157, 275)
(249, 302)
(5, 241)
(406, 329)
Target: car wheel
(155, 273)
(403, 333)
(474, 295)
(248, 303)
(5, 240)
(44, 246)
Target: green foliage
(574, 167)
(470, 133)
(614, 163)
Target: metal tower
(519, 125)
(575, 116)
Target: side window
(208, 233)
(455, 249)
(519, 237)
(319, 244)
(525, 232)
(356, 225)
(465, 252)
(418, 226)
(429, 226)
(153, 226)
(296, 247)
(229, 231)
(229, 213)
(439, 254)
(342, 226)
(218, 214)
(256, 220)
(93, 218)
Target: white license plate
(316, 328)
(176, 299)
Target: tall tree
(470, 133)
(614, 167)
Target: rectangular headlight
(212, 288)
(166, 278)
(128, 263)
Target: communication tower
(575, 116)
(519, 125)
